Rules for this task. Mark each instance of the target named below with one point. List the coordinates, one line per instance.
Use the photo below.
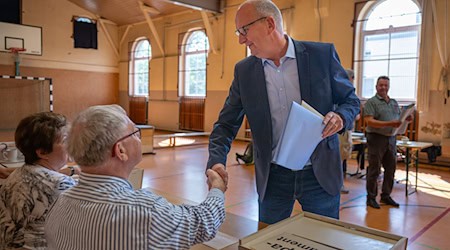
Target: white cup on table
(405, 140)
(10, 154)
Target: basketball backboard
(21, 36)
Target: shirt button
(278, 70)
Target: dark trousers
(382, 150)
(286, 186)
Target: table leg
(407, 171)
(417, 168)
(360, 158)
(363, 157)
(363, 160)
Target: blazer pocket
(333, 142)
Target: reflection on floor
(423, 217)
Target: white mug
(10, 154)
(405, 140)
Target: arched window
(389, 45)
(193, 64)
(141, 53)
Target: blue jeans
(286, 186)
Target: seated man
(104, 212)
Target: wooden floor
(423, 217)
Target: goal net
(19, 97)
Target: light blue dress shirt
(283, 87)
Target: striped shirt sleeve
(181, 226)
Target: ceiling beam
(202, 5)
(108, 37)
(166, 16)
(151, 25)
(124, 35)
(151, 10)
(209, 33)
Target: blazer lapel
(303, 71)
(260, 86)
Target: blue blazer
(323, 84)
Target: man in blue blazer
(280, 71)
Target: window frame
(359, 60)
(183, 63)
(133, 70)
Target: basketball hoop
(16, 51)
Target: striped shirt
(104, 212)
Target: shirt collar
(381, 98)
(290, 52)
(291, 49)
(104, 181)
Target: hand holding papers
(406, 111)
(302, 134)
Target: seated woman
(28, 192)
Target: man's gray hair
(266, 8)
(94, 132)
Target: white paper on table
(407, 111)
(301, 135)
(221, 240)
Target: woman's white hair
(94, 132)
(266, 8)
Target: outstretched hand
(215, 181)
(220, 169)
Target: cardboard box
(311, 231)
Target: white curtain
(441, 42)
(437, 23)
(425, 59)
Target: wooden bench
(172, 137)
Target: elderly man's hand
(220, 169)
(215, 180)
(333, 123)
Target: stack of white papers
(406, 111)
(300, 137)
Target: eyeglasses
(244, 29)
(137, 133)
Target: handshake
(217, 177)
